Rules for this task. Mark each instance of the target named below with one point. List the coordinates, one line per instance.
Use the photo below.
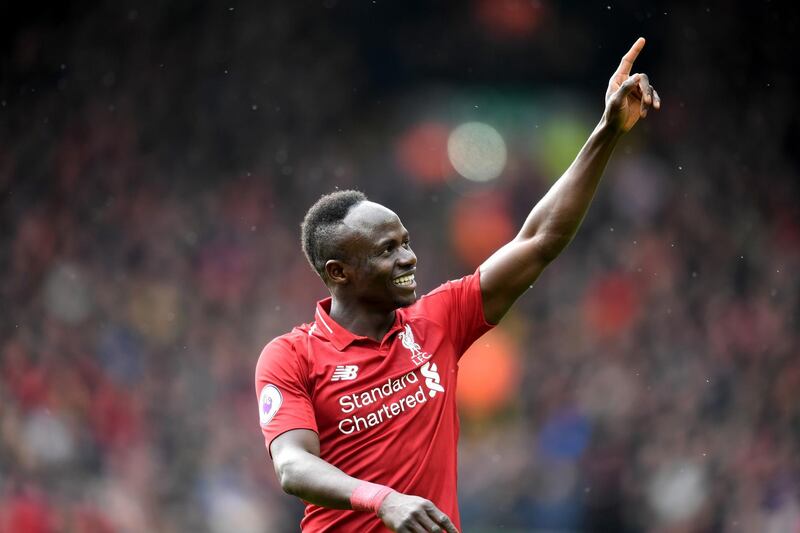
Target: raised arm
(302, 473)
(554, 220)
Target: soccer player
(358, 407)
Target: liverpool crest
(417, 355)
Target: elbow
(549, 246)
(288, 477)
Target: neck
(360, 321)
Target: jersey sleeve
(458, 305)
(283, 391)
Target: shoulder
(453, 285)
(448, 290)
(441, 301)
(285, 350)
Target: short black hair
(318, 230)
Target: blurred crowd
(155, 164)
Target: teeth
(404, 280)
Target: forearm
(316, 481)
(302, 473)
(557, 216)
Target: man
(358, 408)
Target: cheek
(363, 267)
(380, 270)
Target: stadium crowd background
(155, 163)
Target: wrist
(608, 129)
(369, 496)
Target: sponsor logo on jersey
(432, 379)
(345, 373)
(418, 356)
(269, 401)
(394, 397)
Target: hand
(629, 97)
(412, 514)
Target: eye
(407, 244)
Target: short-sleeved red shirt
(384, 412)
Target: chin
(405, 302)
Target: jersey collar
(339, 336)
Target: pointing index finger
(626, 63)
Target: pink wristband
(369, 496)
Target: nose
(408, 257)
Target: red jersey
(385, 412)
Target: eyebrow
(386, 240)
(383, 242)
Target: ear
(336, 271)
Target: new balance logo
(345, 373)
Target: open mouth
(404, 281)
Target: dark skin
(378, 250)
(366, 293)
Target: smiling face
(378, 264)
